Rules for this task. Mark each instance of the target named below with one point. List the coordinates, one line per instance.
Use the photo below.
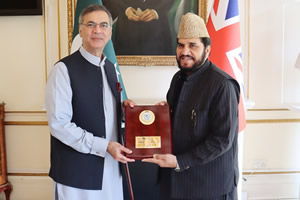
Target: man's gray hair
(92, 8)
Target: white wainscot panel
(27, 149)
(272, 146)
(31, 188)
(272, 186)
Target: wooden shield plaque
(148, 131)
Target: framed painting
(145, 32)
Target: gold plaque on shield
(147, 142)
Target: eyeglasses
(92, 25)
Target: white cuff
(127, 10)
(157, 16)
(99, 146)
(177, 169)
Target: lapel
(111, 75)
(112, 78)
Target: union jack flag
(226, 52)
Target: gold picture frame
(137, 60)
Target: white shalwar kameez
(67, 132)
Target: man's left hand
(129, 102)
(163, 160)
(117, 151)
(148, 15)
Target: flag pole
(128, 175)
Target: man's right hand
(117, 151)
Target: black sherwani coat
(205, 128)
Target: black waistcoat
(68, 166)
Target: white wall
(280, 128)
(272, 135)
(147, 84)
(29, 44)
(21, 57)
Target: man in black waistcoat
(204, 109)
(84, 113)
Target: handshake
(139, 15)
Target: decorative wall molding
(26, 123)
(26, 118)
(269, 121)
(27, 174)
(268, 109)
(247, 173)
(271, 186)
(27, 112)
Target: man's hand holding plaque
(163, 160)
(148, 131)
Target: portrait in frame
(155, 42)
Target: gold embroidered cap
(192, 26)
